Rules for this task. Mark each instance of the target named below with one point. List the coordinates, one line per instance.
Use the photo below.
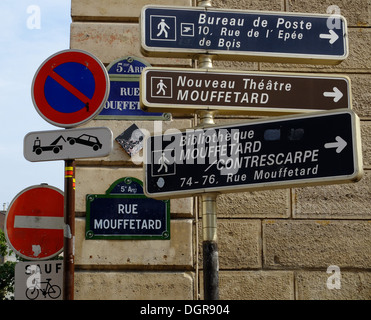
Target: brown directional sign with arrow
(172, 90)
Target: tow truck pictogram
(54, 146)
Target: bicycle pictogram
(53, 291)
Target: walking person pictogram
(163, 162)
(161, 86)
(163, 26)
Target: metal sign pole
(69, 231)
(209, 219)
(210, 247)
(209, 232)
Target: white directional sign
(67, 144)
(317, 148)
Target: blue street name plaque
(123, 99)
(124, 212)
(241, 35)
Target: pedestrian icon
(163, 163)
(162, 87)
(163, 28)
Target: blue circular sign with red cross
(70, 88)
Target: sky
(30, 32)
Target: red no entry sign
(34, 222)
(70, 88)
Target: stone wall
(272, 244)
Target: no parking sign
(70, 88)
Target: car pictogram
(86, 140)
